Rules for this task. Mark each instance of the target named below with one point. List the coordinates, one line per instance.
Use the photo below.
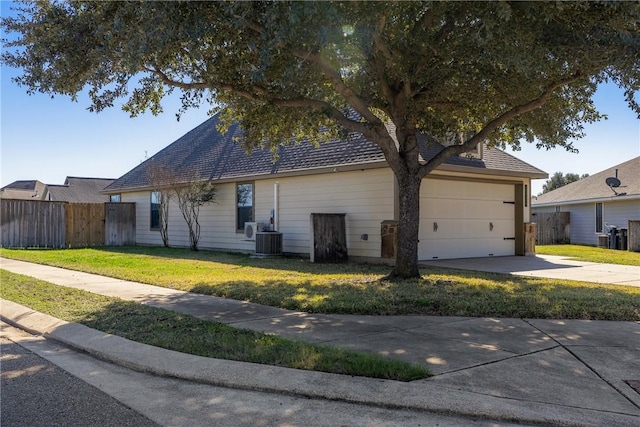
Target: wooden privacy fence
(633, 235)
(31, 223)
(85, 225)
(120, 224)
(552, 228)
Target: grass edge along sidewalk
(297, 284)
(187, 334)
(591, 254)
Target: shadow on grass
(285, 263)
(437, 295)
(441, 292)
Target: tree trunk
(407, 247)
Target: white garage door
(460, 219)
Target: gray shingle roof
(80, 190)
(204, 152)
(24, 190)
(595, 187)
(27, 185)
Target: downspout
(276, 188)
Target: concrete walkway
(549, 266)
(552, 372)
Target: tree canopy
(461, 73)
(559, 179)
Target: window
(599, 221)
(244, 198)
(155, 210)
(114, 198)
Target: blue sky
(49, 139)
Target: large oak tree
(461, 73)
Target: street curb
(420, 395)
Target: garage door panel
(466, 219)
(461, 209)
(451, 248)
(461, 228)
(466, 190)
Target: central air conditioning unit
(250, 230)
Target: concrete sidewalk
(564, 372)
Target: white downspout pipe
(276, 188)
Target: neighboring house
(80, 190)
(24, 190)
(470, 207)
(74, 189)
(594, 205)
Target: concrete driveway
(548, 266)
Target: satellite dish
(613, 182)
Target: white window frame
(599, 222)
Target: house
(80, 190)
(74, 189)
(24, 190)
(608, 198)
(471, 206)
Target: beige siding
(144, 234)
(365, 196)
(218, 222)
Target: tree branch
(381, 48)
(494, 124)
(176, 83)
(344, 90)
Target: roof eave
(581, 201)
(486, 171)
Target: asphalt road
(35, 392)
(46, 384)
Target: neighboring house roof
(74, 189)
(80, 190)
(24, 190)
(205, 153)
(594, 187)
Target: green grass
(179, 332)
(591, 254)
(348, 288)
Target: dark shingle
(204, 152)
(80, 190)
(27, 185)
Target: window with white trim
(244, 199)
(155, 210)
(599, 218)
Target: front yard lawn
(591, 254)
(297, 284)
(186, 334)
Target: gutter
(583, 201)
